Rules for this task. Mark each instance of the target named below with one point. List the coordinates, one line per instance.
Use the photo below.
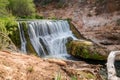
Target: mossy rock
(84, 49)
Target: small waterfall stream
(48, 37)
(22, 38)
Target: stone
(86, 49)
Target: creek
(48, 38)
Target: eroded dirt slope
(17, 66)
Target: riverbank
(17, 66)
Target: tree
(3, 8)
(22, 8)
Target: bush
(2, 27)
(3, 6)
(39, 16)
(22, 8)
(8, 25)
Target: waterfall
(49, 37)
(22, 38)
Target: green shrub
(3, 6)
(7, 28)
(8, 25)
(39, 17)
(22, 8)
(2, 27)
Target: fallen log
(110, 65)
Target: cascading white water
(22, 38)
(49, 37)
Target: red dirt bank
(16, 66)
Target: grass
(30, 69)
(73, 78)
(58, 76)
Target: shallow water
(117, 65)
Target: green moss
(30, 69)
(29, 46)
(84, 49)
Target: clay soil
(17, 66)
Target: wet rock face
(85, 49)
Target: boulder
(86, 49)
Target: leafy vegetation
(3, 8)
(22, 8)
(10, 10)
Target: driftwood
(110, 65)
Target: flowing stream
(48, 37)
(22, 38)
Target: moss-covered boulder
(85, 49)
